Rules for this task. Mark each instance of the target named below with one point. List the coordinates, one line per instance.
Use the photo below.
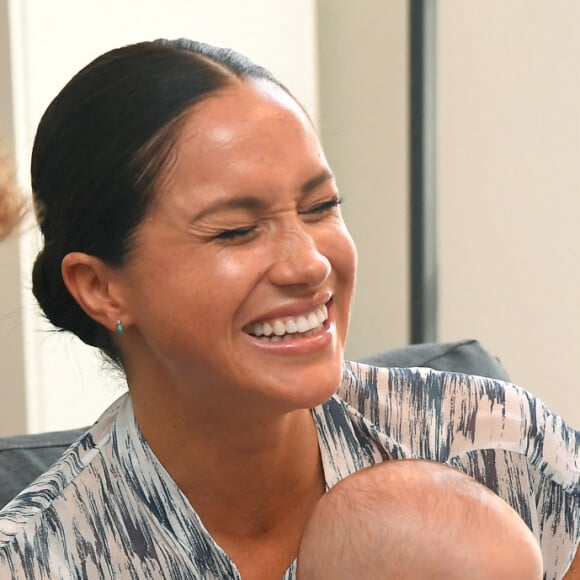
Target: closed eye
(323, 207)
(235, 234)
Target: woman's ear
(93, 284)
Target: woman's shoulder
(440, 415)
(498, 433)
(34, 508)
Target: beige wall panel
(509, 184)
(363, 120)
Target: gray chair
(25, 457)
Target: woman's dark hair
(100, 150)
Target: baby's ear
(93, 284)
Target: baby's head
(416, 519)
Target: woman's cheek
(247, 266)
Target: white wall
(11, 343)
(509, 168)
(50, 41)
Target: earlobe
(92, 283)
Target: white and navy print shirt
(108, 509)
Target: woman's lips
(319, 335)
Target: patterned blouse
(108, 509)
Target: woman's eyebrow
(252, 203)
(249, 203)
(313, 183)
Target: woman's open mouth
(290, 327)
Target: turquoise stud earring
(120, 328)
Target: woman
(192, 232)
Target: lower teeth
(285, 337)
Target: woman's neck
(252, 473)
(244, 474)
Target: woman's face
(242, 277)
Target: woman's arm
(574, 571)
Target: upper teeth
(282, 326)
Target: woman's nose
(299, 261)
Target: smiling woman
(193, 233)
(248, 233)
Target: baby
(416, 520)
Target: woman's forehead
(245, 140)
(242, 105)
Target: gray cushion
(466, 356)
(24, 457)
